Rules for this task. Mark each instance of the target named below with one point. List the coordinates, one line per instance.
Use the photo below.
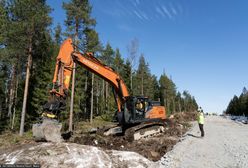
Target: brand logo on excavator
(90, 64)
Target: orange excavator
(137, 116)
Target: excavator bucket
(49, 130)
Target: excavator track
(143, 131)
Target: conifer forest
(29, 45)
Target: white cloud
(160, 11)
(138, 15)
(179, 8)
(135, 2)
(144, 15)
(173, 9)
(166, 11)
(143, 10)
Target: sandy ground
(225, 145)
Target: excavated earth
(152, 148)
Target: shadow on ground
(192, 135)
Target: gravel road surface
(225, 145)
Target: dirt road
(225, 145)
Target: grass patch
(97, 122)
(9, 138)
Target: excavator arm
(62, 76)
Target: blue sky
(201, 44)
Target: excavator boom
(64, 66)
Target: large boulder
(49, 130)
(64, 155)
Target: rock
(96, 142)
(154, 154)
(72, 155)
(48, 130)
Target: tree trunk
(142, 85)
(179, 106)
(97, 97)
(106, 96)
(107, 89)
(29, 64)
(73, 80)
(85, 91)
(131, 80)
(174, 105)
(92, 98)
(1, 108)
(13, 119)
(103, 90)
(15, 102)
(72, 97)
(103, 106)
(184, 105)
(6, 101)
(10, 102)
(11, 92)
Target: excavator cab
(138, 109)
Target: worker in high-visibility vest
(200, 119)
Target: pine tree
(168, 93)
(126, 75)
(78, 19)
(92, 44)
(107, 57)
(57, 35)
(3, 22)
(156, 91)
(3, 95)
(246, 108)
(118, 63)
(42, 75)
(143, 84)
(238, 105)
(233, 109)
(132, 49)
(3, 66)
(242, 102)
(26, 19)
(178, 102)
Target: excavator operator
(139, 105)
